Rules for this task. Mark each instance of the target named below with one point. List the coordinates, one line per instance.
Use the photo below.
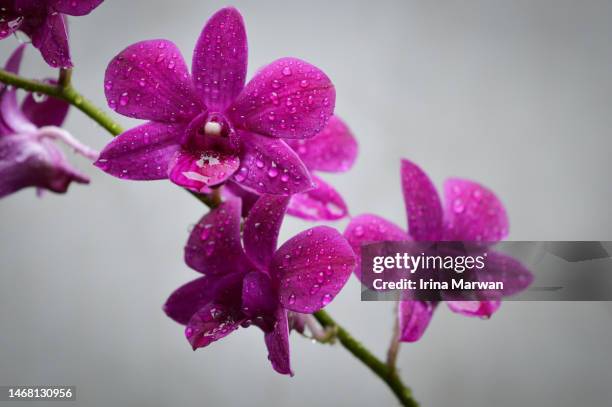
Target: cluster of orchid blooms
(259, 143)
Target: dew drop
(124, 99)
(458, 206)
(272, 172)
(326, 299)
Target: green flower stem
(385, 372)
(65, 91)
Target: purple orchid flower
(472, 213)
(28, 156)
(208, 127)
(44, 21)
(259, 284)
(332, 150)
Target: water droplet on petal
(326, 299)
(124, 99)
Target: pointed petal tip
(227, 11)
(14, 61)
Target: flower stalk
(65, 91)
(382, 370)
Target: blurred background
(516, 95)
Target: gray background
(514, 94)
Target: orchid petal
(473, 212)
(26, 161)
(47, 112)
(368, 228)
(512, 273)
(321, 203)
(423, 207)
(414, 318)
(482, 309)
(211, 323)
(11, 116)
(220, 59)
(13, 64)
(199, 170)
(311, 268)
(9, 23)
(141, 153)
(74, 8)
(189, 298)
(149, 80)
(51, 39)
(269, 166)
(261, 229)
(288, 98)
(258, 298)
(332, 150)
(277, 342)
(214, 243)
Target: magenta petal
(74, 8)
(48, 112)
(51, 39)
(321, 203)
(14, 62)
(482, 309)
(371, 229)
(261, 228)
(277, 342)
(473, 212)
(311, 268)
(141, 153)
(199, 170)
(501, 267)
(211, 323)
(288, 98)
(269, 166)
(214, 245)
(11, 116)
(28, 162)
(423, 207)
(332, 150)
(414, 317)
(9, 23)
(220, 59)
(186, 300)
(149, 80)
(258, 297)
